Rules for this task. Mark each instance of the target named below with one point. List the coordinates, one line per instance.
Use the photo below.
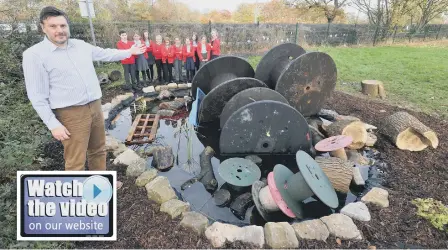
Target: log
(355, 129)
(339, 172)
(206, 176)
(115, 75)
(370, 87)
(173, 105)
(408, 133)
(163, 158)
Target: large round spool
(248, 96)
(265, 127)
(220, 70)
(276, 61)
(213, 103)
(308, 81)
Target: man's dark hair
(121, 32)
(51, 11)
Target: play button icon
(97, 189)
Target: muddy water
(186, 166)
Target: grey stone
(342, 226)
(311, 230)
(121, 148)
(255, 159)
(163, 158)
(112, 143)
(127, 157)
(194, 221)
(377, 196)
(146, 177)
(136, 168)
(220, 233)
(357, 177)
(280, 235)
(357, 211)
(160, 190)
(149, 89)
(174, 207)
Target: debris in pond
(222, 197)
(206, 176)
(143, 130)
(240, 205)
(173, 105)
(166, 113)
(163, 158)
(165, 94)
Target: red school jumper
(157, 50)
(124, 46)
(216, 50)
(178, 52)
(186, 54)
(168, 54)
(207, 47)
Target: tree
(244, 13)
(330, 8)
(429, 9)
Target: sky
(206, 5)
(231, 5)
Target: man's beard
(66, 35)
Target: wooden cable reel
(265, 127)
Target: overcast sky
(232, 5)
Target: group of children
(166, 56)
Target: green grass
(412, 76)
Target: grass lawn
(412, 76)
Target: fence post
(209, 26)
(438, 32)
(297, 32)
(149, 27)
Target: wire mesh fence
(253, 38)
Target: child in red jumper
(168, 56)
(151, 60)
(141, 60)
(215, 45)
(204, 51)
(178, 60)
(189, 59)
(157, 52)
(128, 63)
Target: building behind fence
(256, 38)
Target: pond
(188, 143)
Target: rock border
(273, 235)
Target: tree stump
(373, 88)
(408, 133)
(115, 75)
(355, 129)
(339, 172)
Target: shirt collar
(52, 47)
